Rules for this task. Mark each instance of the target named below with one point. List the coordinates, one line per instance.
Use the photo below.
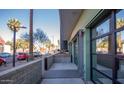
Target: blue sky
(45, 19)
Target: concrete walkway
(63, 66)
(62, 73)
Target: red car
(2, 61)
(22, 56)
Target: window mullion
(113, 45)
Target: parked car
(2, 61)
(37, 54)
(6, 57)
(22, 56)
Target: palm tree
(14, 25)
(31, 34)
(119, 42)
(103, 44)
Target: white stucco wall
(84, 19)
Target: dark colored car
(22, 56)
(6, 57)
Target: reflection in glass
(101, 29)
(99, 78)
(120, 42)
(101, 45)
(121, 71)
(103, 63)
(120, 19)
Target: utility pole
(31, 34)
(14, 46)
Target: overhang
(68, 20)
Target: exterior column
(86, 59)
(80, 53)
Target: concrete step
(63, 81)
(61, 74)
(63, 66)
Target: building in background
(4, 47)
(7, 48)
(2, 43)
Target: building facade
(95, 40)
(2, 42)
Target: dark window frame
(99, 36)
(112, 32)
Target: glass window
(120, 42)
(103, 63)
(99, 78)
(101, 45)
(101, 29)
(120, 19)
(103, 48)
(120, 74)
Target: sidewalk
(62, 73)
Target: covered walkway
(62, 73)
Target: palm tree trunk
(31, 34)
(23, 50)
